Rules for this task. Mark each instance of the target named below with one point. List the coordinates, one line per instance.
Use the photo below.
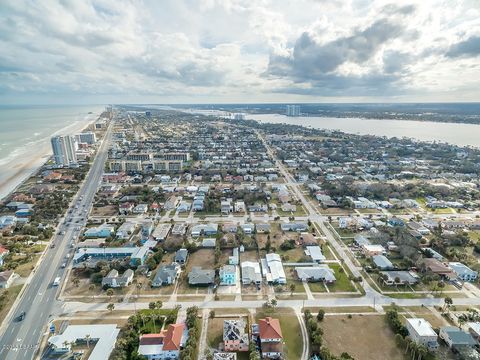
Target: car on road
(64, 265)
(21, 316)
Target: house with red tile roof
(271, 338)
(3, 252)
(165, 345)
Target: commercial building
(86, 138)
(293, 110)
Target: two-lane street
(20, 339)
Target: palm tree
(422, 351)
(110, 293)
(87, 338)
(399, 339)
(408, 343)
(413, 349)
(110, 307)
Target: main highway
(20, 340)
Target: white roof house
(421, 332)
(103, 336)
(315, 252)
(273, 269)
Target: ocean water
(23, 128)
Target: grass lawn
(342, 283)
(363, 337)
(344, 232)
(154, 319)
(291, 331)
(25, 269)
(215, 332)
(12, 293)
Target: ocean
(25, 136)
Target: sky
(238, 51)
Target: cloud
(238, 50)
(466, 48)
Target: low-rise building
(166, 275)
(315, 252)
(271, 338)
(294, 226)
(125, 230)
(161, 232)
(251, 273)
(273, 269)
(235, 338)
(315, 273)
(6, 279)
(463, 272)
(382, 263)
(399, 277)
(113, 279)
(164, 346)
(102, 231)
(201, 277)
(455, 337)
(181, 256)
(421, 332)
(228, 275)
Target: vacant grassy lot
(11, 295)
(292, 334)
(363, 337)
(215, 332)
(105, 211)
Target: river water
(452, 133)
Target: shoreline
(39, 156)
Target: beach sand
(15, 172)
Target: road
(20, 339)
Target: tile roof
(270, 328)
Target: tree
(87, 338)
(76, 281)
(151, 305)
(110, 293)
(447, 302)
(212, 314)
(158, 304)
(292, 288)
(320, 315)
(111, 307)
(273, 303)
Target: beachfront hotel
(64, 148)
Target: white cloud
(238, 50)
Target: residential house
(235, 338)
(315, 252)
(230, 228)
(201, 277)
(273, 269)
(6, 279)
(228, 275)
(463, 272)
(181, 256)
(258, 208)
(161, 232)
(248, 228)
(474, 329)
(125, 230)
(226, 206)
(315, 273)
(455, 337)
(432, 265)
(125, 208)
(251, 273)
(372, 250)
(3, 252)
(204, 229)
(306, 239)
(271, 338)
(381, 262)
(399, 277)
(239, 206)
(179, 229)
(140, 209)
(262, 228)
(163, 346)
(113, 280)
(360, 240)
(184, 207)
(421, 332)
(298, 227)
(166, 275)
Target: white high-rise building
(293, 110)
(64, 148)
